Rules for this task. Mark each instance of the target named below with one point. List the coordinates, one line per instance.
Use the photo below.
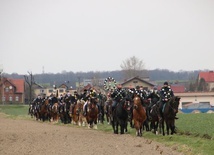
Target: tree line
(71, 78)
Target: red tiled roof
(207, 76)
(175, 88)
(178, 88)
(19, 84)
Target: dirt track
(23, 137)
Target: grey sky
(97, 35)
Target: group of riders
(117, 95)
(155, 97)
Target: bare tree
(132, 67)
(30, 81)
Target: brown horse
(54, 112)
(139, 115)
(92, 113)
(169, 112)
(44, 110)
(77, 114)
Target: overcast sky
(98, 35)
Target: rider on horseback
(53, 99)
(92, 95)
(166, 94)
(117, 95)
(73, 100)
(141, 93)
(36, 102)
(84, 95)
(155, 97)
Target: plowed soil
(30, 137)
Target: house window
(61, 90)
(50, 90)
(41, 91)
(10, 98)
(6, 89)
(3, 98)
(17, 98)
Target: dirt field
(23, 137)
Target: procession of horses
(131, 110)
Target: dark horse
(108, 111)
(64, 108)
(155, 118)
(92, 113)
(139, 115)
(101, 105)
(120, 117)
(129, 109)
(169, 112)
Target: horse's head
(174, 103)
(128, 105)
(55, 108)
(79, 106)
(136, 102)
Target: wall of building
(135, 83)
(196, 97)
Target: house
(12, 90)
(208, 77)
(196, 100)
(137, 81)
(48, 90)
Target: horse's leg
(136, 127)
(141, 131)
(113, 124)
(95, 123)
(172, 127)
(167, 127)
(122, 127)
(107, 119)
(126, 126)
(162, 124)
(116, 127)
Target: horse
(92, 113)
(145, 104)
(155, 118)
(43, 112)
(54, 112)
(108, 111)
(169, 111)
(101, 103)
(77, 114)
(37, 111)
(129, 109)
(31, 110)
(64, 112)
(120, 117)
(139, 115)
